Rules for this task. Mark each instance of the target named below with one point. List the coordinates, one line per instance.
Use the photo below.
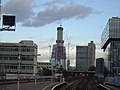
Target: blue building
(99, 66)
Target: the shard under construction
(59, 51)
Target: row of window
(46, 67)
(13, 72)
(16, 58)
(17, 49)
(44, 63)
(21, 67)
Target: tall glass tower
(110, 41)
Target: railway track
(82, 84)
(71, 86)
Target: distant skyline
(83, 21)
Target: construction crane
(45, 48)
(50, 46)
(68, 62)
(68, 45)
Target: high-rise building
(81, 58)
(110, 41)
(85, 56)
(91, 53)
(59, 51)
(68, 65)
(22, 54)
(99, 66)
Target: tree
(47, 72)
(91, 68)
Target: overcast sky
(83, 21)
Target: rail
(59, 85)
(82, 84)
(71, 86)
(102, 87)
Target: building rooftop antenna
(60, 25)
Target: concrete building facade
(91, 53)
(23, 53)
(51, 66)
(85, 56)
(81, 58)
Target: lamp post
(36, 68)
(52, 71)
(19, 60)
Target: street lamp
(52, 71)
(19, 60)
(36, 68)
(19, 65)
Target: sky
(83, 21)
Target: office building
(68, 65)
(82, 58)
(15, 55)
(110, 41)
(85, 56)
(91, 53)
(100, 66)
(47, 65)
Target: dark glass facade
(100, 66)
(111, 32)
(110, 41)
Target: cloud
(22, 9)
(58, 13)
(99, 53)
(49, 12)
